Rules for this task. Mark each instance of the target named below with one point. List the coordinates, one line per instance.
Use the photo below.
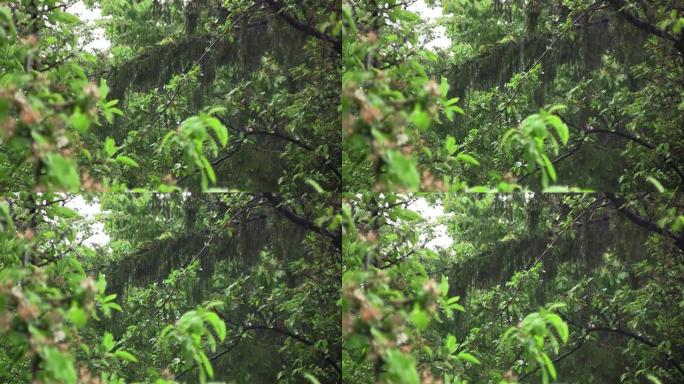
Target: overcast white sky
(431, 213)
(100, 42)
(88, 211)
(90, 16)
(430, 15)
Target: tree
(211, 95)
(533, 287)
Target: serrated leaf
(125, 355)
(549, 167)
(206, 364)
(209, 170)
(217, 324)
(549, 365)
(560, 127)
(125, 160)
(467, 158)
(109, 147)
(108, 341)
(450, 145)
(560, 326)
(467, 357)
(219, 129)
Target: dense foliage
(585, 94)
(332, 133)
(233, 94)
(552, 96)
(527, 288)
(182, 96)
(189, 287)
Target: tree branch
(304, 222)
(620, 7)
(619, 204)
(557, 359)
(278, 8)
(638, 338)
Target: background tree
(542, 287)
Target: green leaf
(314, 184)
(109, 147)
(125, 160)
(206, 364)
(467, 158)
(421, 119)
(560, 326)
(428, 351)
(560, 127)
(59, 366)
(215, 321)
(104, 89)
(312, 379)
(452, 101)
(63, 172)
(556, 189)
(110, 297)
(77, 316)
(481, 189)
(67, 213)
(215, 110)
(406, 214)
(549, 167)
(125, 355)
(64, 17)
(80, 121)
(419, 318)
(653, 379)
(6, 15)
(450, 344)
(209, 170)
(450, 145)
(5, 211)
(108, 341)
(659, 187)
(219, 129)
(404, 169)
(401, 368)
(467, 357)
(549, 365)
